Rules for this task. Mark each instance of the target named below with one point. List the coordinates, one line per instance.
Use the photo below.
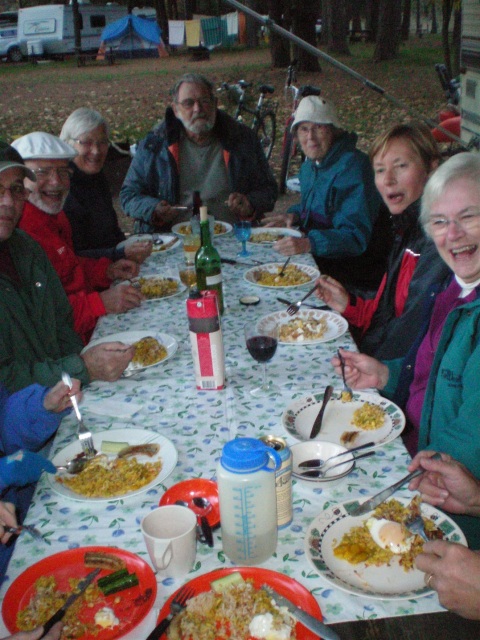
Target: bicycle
(264, 117)
(291, 152)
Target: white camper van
(470, 62)
(48, 29)
(9, 46)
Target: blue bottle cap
(243, 455)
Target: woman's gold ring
(429, 580)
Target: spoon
(321, 473)
(318, 462)
(74, 466)
(202, 506)
(201, 533)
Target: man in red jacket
(86, 280)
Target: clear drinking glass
(188, 275)
(262, 346)
(243, 231)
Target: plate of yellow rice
(365, 417)
(108, 477)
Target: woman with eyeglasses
(89, 205)
(402, 157)
(440, 372)
(339, 212)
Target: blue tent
(133, 37)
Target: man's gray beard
(198, 127)
(36, 199)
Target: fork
(346, 388)
(35, 533)
(416, 526)
(282, 270)
(293, 308)
(84, 434)
(177, 605)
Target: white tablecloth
(165, 400)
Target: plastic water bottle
(247, 497)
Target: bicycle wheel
(287, 151)
(266, 129)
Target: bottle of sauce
(207, 262)
(247, 500)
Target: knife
(373, 502)
(82, 585)
(323, 307)
(318, 420)
(312, 624)
(206, 530)
(253, 263)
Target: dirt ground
(133, 94)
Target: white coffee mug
(170, 537)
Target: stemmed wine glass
(243, 231)
(262, 345)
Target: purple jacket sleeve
(24, 422)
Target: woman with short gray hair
(441, 370)
(89, 205)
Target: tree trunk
(76, 27)
(419, 21)
(407, 11)
(388, 38)
(304, 15)
(372, 11)
(434, 18)
(336, 18)
(162, 18)
(456, 40)
(446, 14)
(251, 25)
(279, 46)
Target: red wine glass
(262, 345)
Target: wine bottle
(207, 261)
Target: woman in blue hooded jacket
(340, 212)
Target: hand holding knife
(80, 589)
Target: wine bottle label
(215, 279)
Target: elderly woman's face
(315, 139)
(454, 224)
(92, 150)
(400, 175)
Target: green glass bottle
(207, 261)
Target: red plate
(284, 585)
(70, 564)
(195, 488)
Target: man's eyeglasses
(189, 103)
(44, 173)
(16, 191)
(89, 144)
(467, 221)
(303, 130)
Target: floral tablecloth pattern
(164, 399)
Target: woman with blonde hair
(402, 158)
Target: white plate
(250, 275)
(167, 454)
(167, 241)
(129, 337)
(181, 287)
(278, 231)
(300, 415)
(336, 325)
(176, 228)
(381, 583)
